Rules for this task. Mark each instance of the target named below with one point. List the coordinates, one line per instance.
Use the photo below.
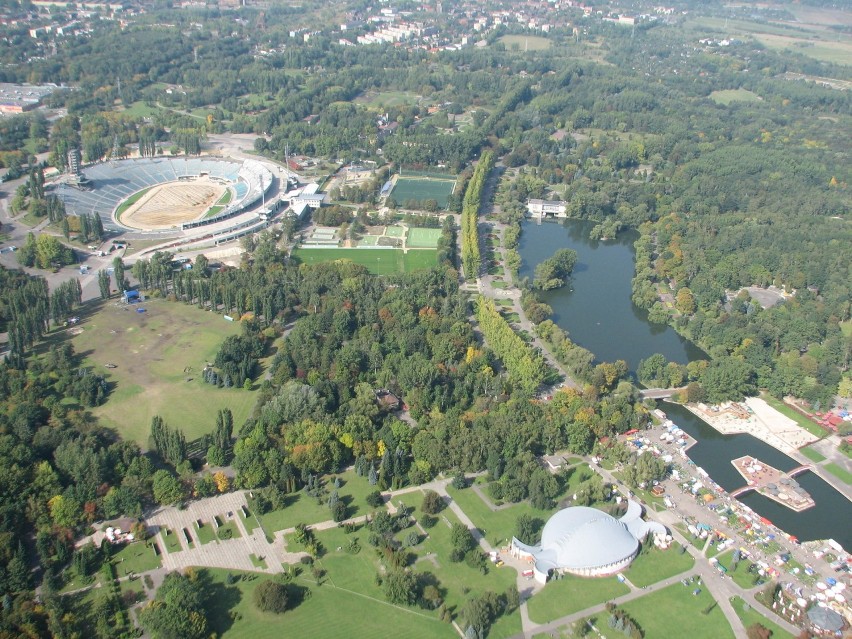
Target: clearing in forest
(159, 356)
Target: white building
(541, 208)
(587, 542)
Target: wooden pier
(772, 483)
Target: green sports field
(423, 188)
(423, 238)
(378, 261)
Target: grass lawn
(801, 420)
(750, 616)
(734, 95)
(423, 238)
(395, 231)
(460, 580)
(498, 526)
(205, 533)
(130, 202)
(137, 557)
(258, 562)
(304, 509)
(421, 188)
(354, 574)
(656, 565)
(152, 351)
(329, 613)
(741, 576)
(840, 472)
(249, 522)
(377, 261)
(525, 43)
(139, 109)
(683, 614)
(368, 240)
(229, 530)
(695, 541)
(813, 455)
(387, 98)
(572, 594)
(172, 541)
(499, 284)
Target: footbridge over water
(660, 393)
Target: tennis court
(423, 188)
(423, 238)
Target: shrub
(271, 596)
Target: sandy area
(168, 205)
(763, 422)
(230, 256)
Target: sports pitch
(423, 188)
(377, 261)
(423, 238)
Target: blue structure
(130, 297)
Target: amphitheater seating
(114, 183)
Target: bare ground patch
(169, 205)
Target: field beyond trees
(159, 356)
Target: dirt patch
(169, 205)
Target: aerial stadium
(587, 542)
(188, 198)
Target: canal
(596, 311)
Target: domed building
(587, 542)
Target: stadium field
(423, 238)
(378, 261)
(423, 188)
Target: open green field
(423, 238)
(655, 565)
(395, 231)
(381, 99)
(156, 353)
(676, 612)
(377, 261)
(751, 616)
(840, 472)
(813, 455)
(329, 613)
(139, 109)
(423, 188)
(572, 594)
(525, 43)
(734, 95)
(130, 202)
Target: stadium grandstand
(113, 183)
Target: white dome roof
(581, 537)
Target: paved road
(485, 282)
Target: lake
(596, 311)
